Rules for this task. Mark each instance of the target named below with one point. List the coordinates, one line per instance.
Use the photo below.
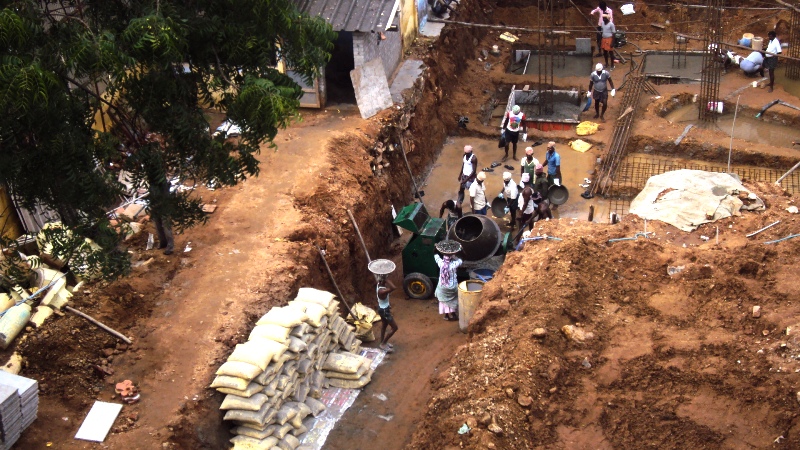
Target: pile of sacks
(274, 380)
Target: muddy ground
(676, 362)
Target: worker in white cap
(469, 166)
(477, 194)
(528, 162)
(599, 81)
(510, 194)
(513, 122)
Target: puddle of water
(441, 184)
(790, 86)
(747, 127)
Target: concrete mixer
(483, 246)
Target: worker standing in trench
(513, 122)
(382, 291)
(603, 11)
(469, 165)
(771, 60)
(599, 81)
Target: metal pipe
(762, 229)
(782, 239)
(733, 125)
(787, 173)
(333, 280)
(358, 232)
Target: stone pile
(274, 380)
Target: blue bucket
(481, 274)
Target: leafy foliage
(89, 87)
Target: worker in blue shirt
(552, 161)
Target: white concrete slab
(371, 87)
(99, 421)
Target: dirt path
(237, 260)
(423, 341)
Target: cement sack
(289, 442)
(283, 381)
(225, 381)
(302, 429)
(296, 422)
(285, 317)
(303, 410)
(687, 198)
(351, 384)
(275, 348)
(285, 414)
(253, 352)
(240, 370)
(265, 377)
(252, 432)
(315, 296)
(248, 443)
(297, 345)
(300, 330)
(270, 331)
(301, 392)
(287, 356)
(314, 311)
(343, 362)
(252, 403)
(251, 389)
(305, 366)
(580, 146)
(587, 128)
(249, 417)
(333, 308)
(316, 406)
(279, 431)
(348, 376)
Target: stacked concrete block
(273, 382)
(19, 405)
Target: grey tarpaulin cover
(687, 198)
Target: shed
(368, 29)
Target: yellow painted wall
(9, 222)
(409, 26)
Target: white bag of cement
(302, 429)
(225, 381)
(285, 414)
(266, 376)
(303, 410)
(276, 349)
(248, 417)
(252, 352)
(274, 332)
(333, 308)
(301, 330)
(343, 362)
(251, 389)
(242, 442)
(315, 296)
(252, 432)
(289, 442)
(285, 317)
(351, 384)
(252, 403)
(279, 431)
(239, 369)
(348, 376)
(297, 345)
(314, 311)
(315, 406)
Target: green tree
(91, 86)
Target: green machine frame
(420, 272)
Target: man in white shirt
(466, 176)
(602, 10)
(510, 194)
(477, 194)
(770, 59)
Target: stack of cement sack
(274, 380)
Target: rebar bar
(792, 66)
(712, 63)
(546, 46)
(634, 172)
(681, 44)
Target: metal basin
(498, 207)
(479, 236)
(558, 195)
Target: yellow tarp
(580, 146)
(586, 128)
(365, 316)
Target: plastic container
(12, 322)
(469, 297)
(748, 36)
(757, 43)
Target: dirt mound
(661, 348)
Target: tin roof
(350, 15)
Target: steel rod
(106, 328)
(763, 229)
(778, 181)
(733, 125)
(333, 280)
(358, 232)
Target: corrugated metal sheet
(350, 15)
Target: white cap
(598, 67)
(506, 176)
(526, 234)
(481, 176)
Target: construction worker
(599, 81)
(510, 194)
(528, 163)
(469, 166)
(513, 122)
(477, 195)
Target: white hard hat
(506, 176)
(598, 67)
